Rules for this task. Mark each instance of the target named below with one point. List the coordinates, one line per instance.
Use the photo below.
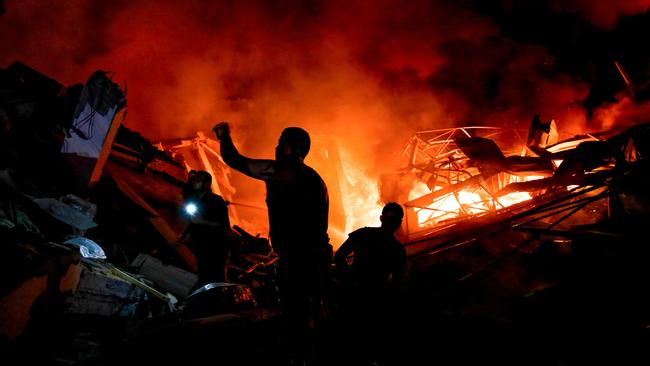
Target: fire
(360, 196)
(517, 197)
(451, 205)
(514, 198)
(466, 202)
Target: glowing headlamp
(191, 208)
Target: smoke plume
(364, 74)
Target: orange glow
(461, 203)
(467, 202)
(514, 198)
(360, 196)
(449, 206)
(364, 75)
(624, 112)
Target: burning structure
(475, 214)
(512, 233)
(548, 240)
(461, 173)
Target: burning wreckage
(83, 273)
(545, 237)
(547, 240)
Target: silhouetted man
(298, 205)
(379, 259)
(372, 283)
(207, 233)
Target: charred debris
(543, 237)
(89, 222)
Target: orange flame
(360, 198)
(466, 202)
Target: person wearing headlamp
(208, 226)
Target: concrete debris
(167, 277)
(88, 230)
(100, 293)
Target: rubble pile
(89, 224)
(523, 232)
(566, 258)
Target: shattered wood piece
(106, 146)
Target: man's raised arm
(254, 168)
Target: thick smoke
(602, 13)
(365, 74)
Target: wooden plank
(106, 147)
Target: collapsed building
(89, 224)
(546, 241)
(542, 235)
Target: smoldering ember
(468, 182)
